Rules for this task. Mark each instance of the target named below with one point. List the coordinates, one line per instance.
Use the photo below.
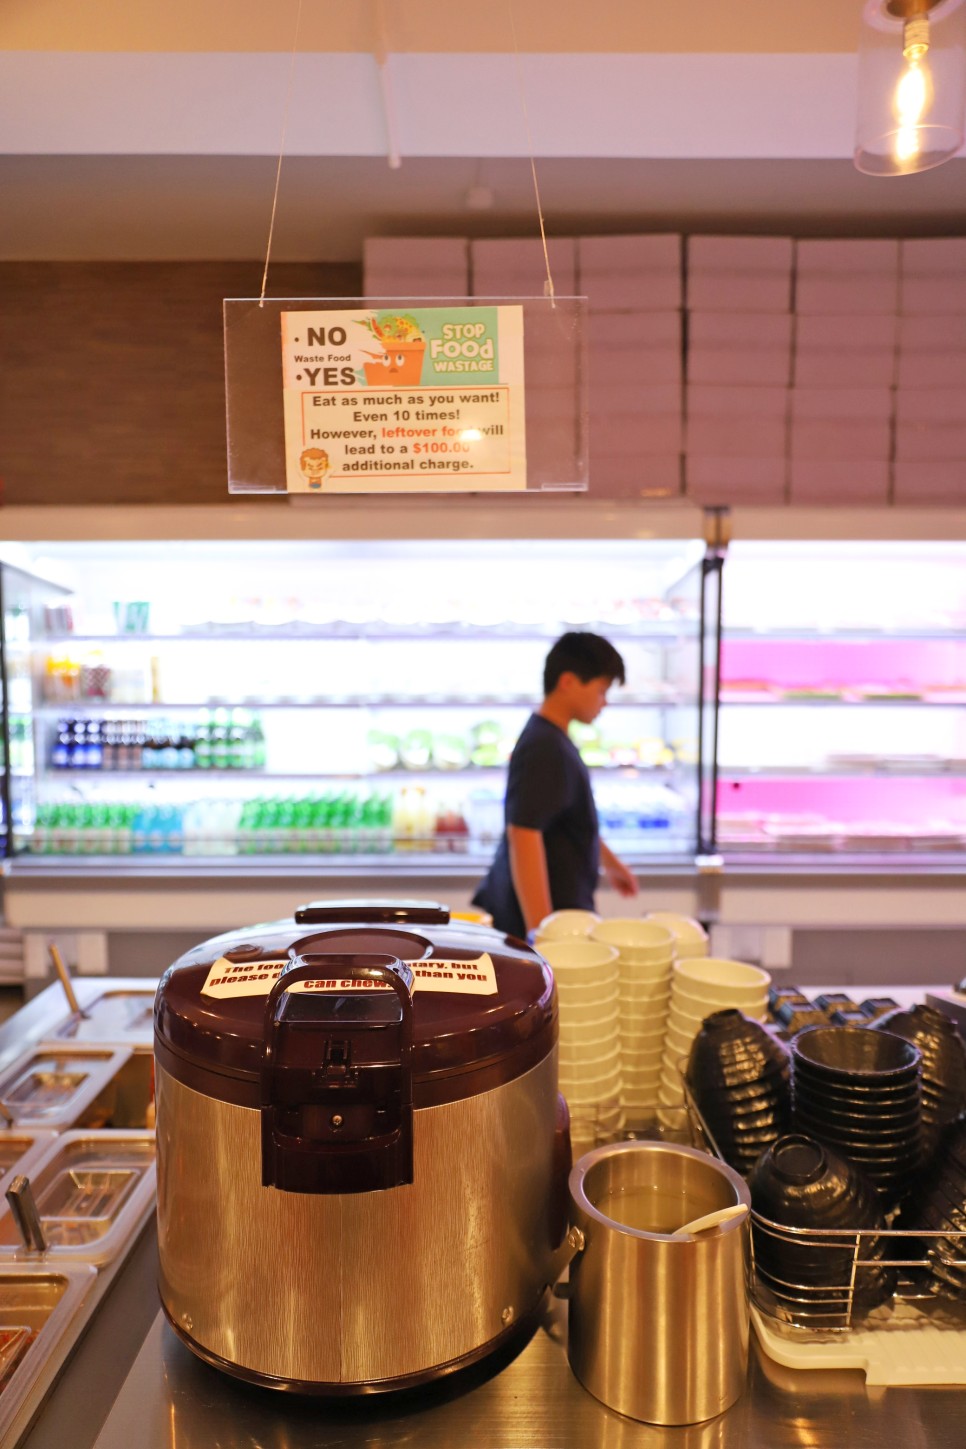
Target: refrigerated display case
(351, 699)
(843, 701)
(23, 599)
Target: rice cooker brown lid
(497, 1021)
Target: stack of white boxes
(409, 267)
(556, 414)
(634, 298)
(930, 464)
(846, 305)
(738, 297)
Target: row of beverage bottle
(343, 823)
(223, 739)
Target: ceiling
(131, 131)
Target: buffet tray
(47, 1308)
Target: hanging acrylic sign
(389, 400)
(413, 395)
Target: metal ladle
(65, 981)
(711, 1220)
(23, 1207)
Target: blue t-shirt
(548, 789)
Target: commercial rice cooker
(362, 1155)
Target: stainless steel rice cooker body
(359, 1188)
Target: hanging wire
(386, 88)
(548, 285)
(281, 149)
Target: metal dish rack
(824, 1313)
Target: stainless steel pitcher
(659, 1325)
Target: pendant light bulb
(912, 85)
(914, 90)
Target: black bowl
(800, 1184)
(938, 1039)
(855, 1090)
(730, 1050)
(886, 1149)
(937, 1209)
(952, 1144)
(891, 1113)
(854, 1054)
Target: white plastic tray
(896, 1345)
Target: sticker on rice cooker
(256, 978)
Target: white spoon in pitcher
(711, 1220)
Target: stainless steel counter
(170, 1400)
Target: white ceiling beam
(623, 106)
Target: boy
(551, 853)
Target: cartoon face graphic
(400, 361)
(313, 465)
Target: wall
(113, 376)
(725, 370)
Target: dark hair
(589, 656)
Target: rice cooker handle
(336, 1098)
(372, 912)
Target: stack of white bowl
(562, 925)
(588, 1002)
(646, 956)
(699, 987)
(691, 939)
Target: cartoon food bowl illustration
(313, 465)
(399, 361)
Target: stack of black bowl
(824, 1277)
(943, 1066)
(938, 1206)
(859, 1092)
(739, 1076)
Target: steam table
(170, 1400)
(131, 1382)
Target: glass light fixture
(912, 85)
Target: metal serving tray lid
(483, 1004)
(41, 1312)
(19, 1150)
(124, 1016)
(92, 1191)
(52, 1084)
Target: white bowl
(595, 1074)
(688, 1004)
(638, 1085)
(728, 982)
(642, 940)
(684, 1021)
(561, 924)
(579, 955)
(690, 936)
(591, 1088)
(645, 973)
(644, 991)
(670, 1096)
(641, 1057)
(642, 1041)
(579, 1025)
(588, 995)
(680, 1037)
(638, 1075)
(645, 961)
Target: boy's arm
(623, 880)
(528, 871)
